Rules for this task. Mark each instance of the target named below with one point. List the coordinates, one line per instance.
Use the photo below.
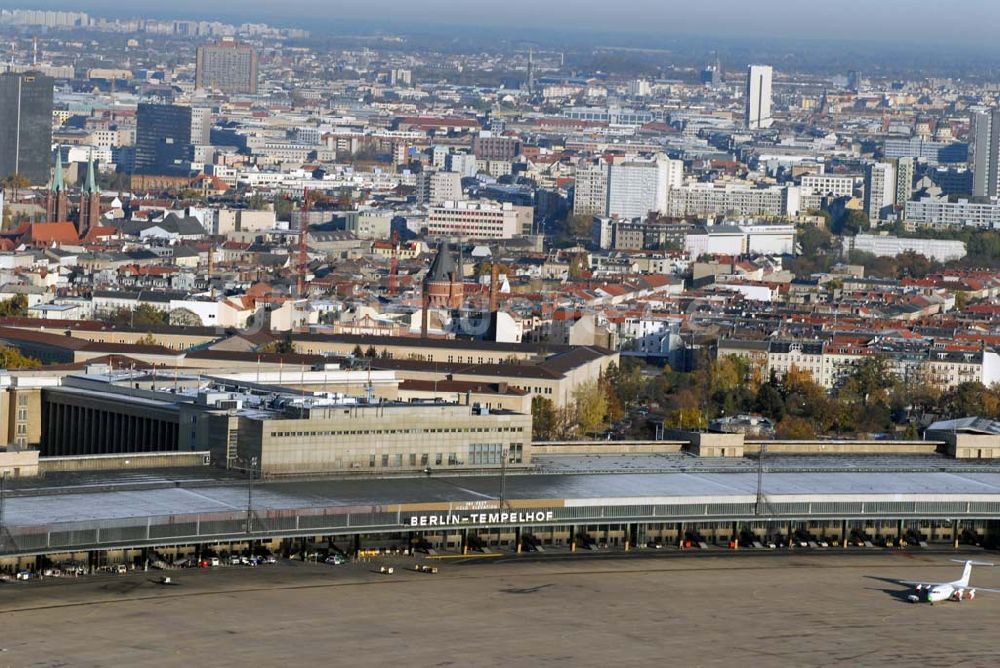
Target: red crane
(394, 265)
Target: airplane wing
(905, 582)
(979, 589)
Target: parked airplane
(958, 590)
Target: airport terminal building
(284, 432)
(563, 503)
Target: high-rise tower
(758, 97)
(26, 126)
(985, 153)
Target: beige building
(479, 220)
(830, 362)
(289, 430)
(387, 438)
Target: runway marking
(213, 500)
(475, 493)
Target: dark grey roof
(443, 267)
(172, 224)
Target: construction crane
(394, 265)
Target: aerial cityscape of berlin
(440, 333)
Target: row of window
(481, 454)
(487, 454)
(381, 432)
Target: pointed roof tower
(57, 176)
(91, 185)
(443, 266)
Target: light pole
(503, 476)
(252, 464)
(503, 489)
(3, 523)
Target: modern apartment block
(941, 212)
(637, 187)
(880, 190)
(985, 153)
(590, 189)
(435, 188)
(228, 66)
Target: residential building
(904, 180)
(940, 212)
(932, 152)
(637, 187)
(734, 199)
(590, 188)
(880, 190)
(228, 66)
(985, 153)
(488, 146)
(435, 188)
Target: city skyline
(891, 21)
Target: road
(707, 610)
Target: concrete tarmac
(669, 609)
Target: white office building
(478, 220)
(758, 97)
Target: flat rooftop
(139, 494)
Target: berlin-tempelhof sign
(450, 519)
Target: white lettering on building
(528, 517)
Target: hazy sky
(950, 21)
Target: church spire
(57, 176)
(91, 185)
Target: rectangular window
(413, 459)
(437, 459)
(399, 461)
(371, 460)
(385, 461)
(424, 459)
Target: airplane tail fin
(967, 571)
